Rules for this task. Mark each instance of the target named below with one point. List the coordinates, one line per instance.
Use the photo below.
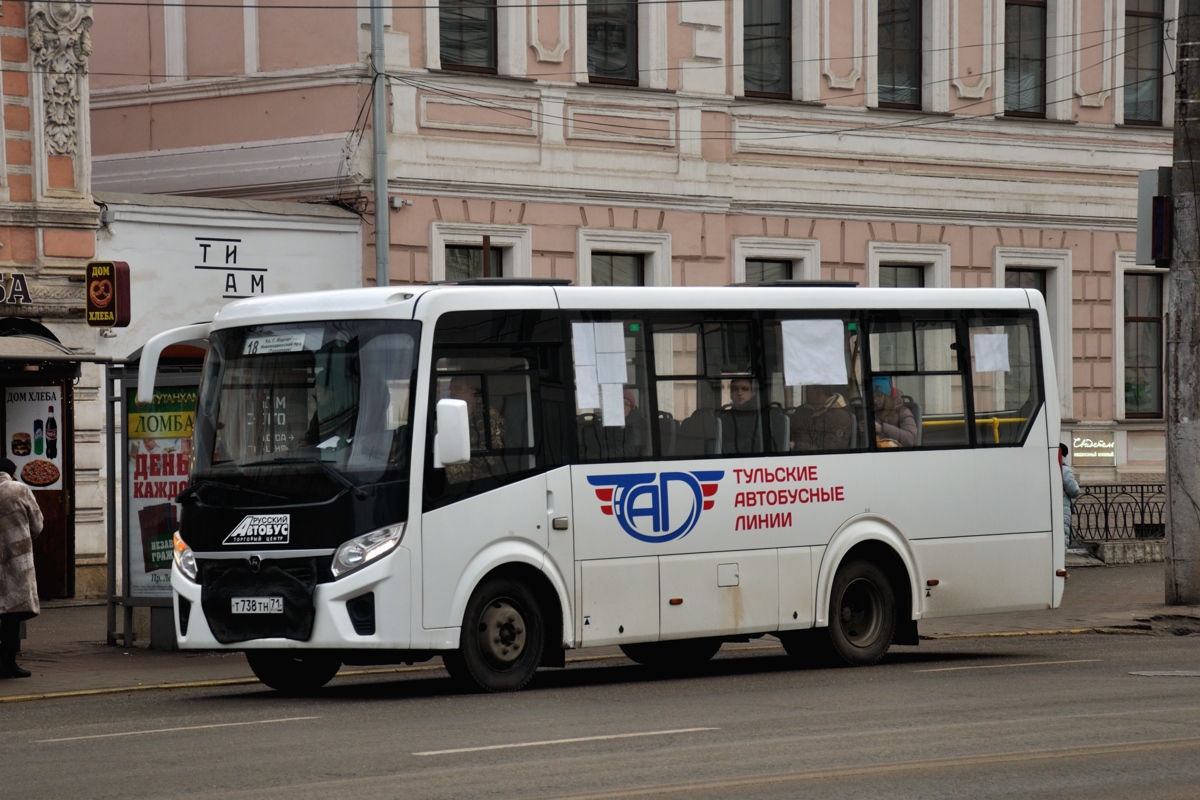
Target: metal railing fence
(1105, 512)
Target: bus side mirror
(452, 444)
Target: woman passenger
(895, 425)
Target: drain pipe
(379, 141)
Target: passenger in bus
(741, 420)
(895, 425)
(635, 428)
(823, 422)
(484, 436)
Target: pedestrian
(20, 521)
(1071, 490)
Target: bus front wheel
(293, 671)
(862, 614)
(502, 637)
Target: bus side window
(823, 404)
(612, 402)
(917, 389)
(1004, 376)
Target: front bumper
(316, 615)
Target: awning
(34, 348)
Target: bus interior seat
(591, 442)
(699, 434)
(915, 407)
(668, 428)
(779, 428)
(858, 432)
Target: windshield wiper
(200, 483)
(336, 476)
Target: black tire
(502, 637)
(679, 655)
(293, 671)
(862, 614)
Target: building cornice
(207, 88)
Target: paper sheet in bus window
(583, 343)
(587, 388)
(612, 404)
(991, 352)
(814, 351)
(610, 337)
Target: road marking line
(174, 730)
(730, 786)
(1178, 673)
(561, 741)
(1005, 666)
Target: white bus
(497, 473)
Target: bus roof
(401, 302)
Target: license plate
(258, 605)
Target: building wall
(47, 220)
(684, 166)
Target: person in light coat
(1071, 490)
(20, 521)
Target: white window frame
(806, 49)
(935, 55)
(511, 38)
(804, 254)
(935, 258)
(652, 44)
(1125, 262)
(1059, 59)
(1057, 266)
(1170, 56)
(515, 241)
(655, 246)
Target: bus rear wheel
(502, 637)
(293, 672)
(862, 614)
(680, 654)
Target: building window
(612, 36)
(1054, 279)
(618, 269)
(456, 251)
(468, 35)
(1143, 61)
(763, 270)
(1025, 279)
(1025, 58)
(1143, 345)
(464, 262)
(767, 48)
(900, 53)
(904, 276)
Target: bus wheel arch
(875, 541)
(511, 625)
(540, 572)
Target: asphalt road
(1035, 716)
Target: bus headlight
(362, 550)
(185, 559)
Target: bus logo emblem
(261, 529)
(657, 507)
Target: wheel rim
(860, 613)
(502, 633)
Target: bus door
(509, 496)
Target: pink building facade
(701, 142)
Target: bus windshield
(324, 401)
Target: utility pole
(1183, 327)
(379, 90)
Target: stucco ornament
(58, 37)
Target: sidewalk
(66, 648)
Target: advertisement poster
(33, 414)
(160, 446)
